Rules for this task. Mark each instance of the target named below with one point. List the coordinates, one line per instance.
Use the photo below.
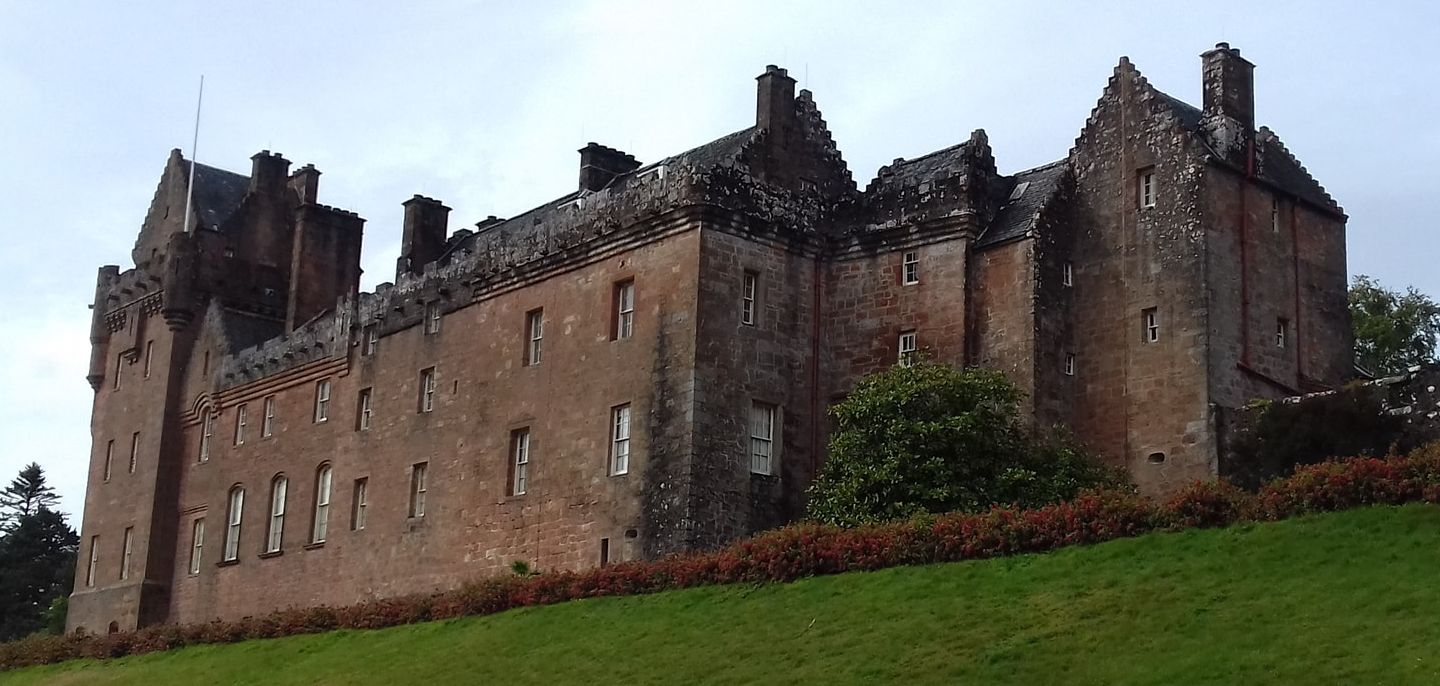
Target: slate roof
(904, 173)
(1017, 217)
(1273, 162)
(217, 193)
(725, 150)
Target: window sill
(273, 553)
(228, 563)
(314, 546)
(764, 477)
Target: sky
(484, 105)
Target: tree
(1393, 331)
(26, 495)
(37, 562)
(929, 438)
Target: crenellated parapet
(325, 337)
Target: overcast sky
(484, 106)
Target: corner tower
(260, 250)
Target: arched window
(322, 504)
(277, 513)
(232, 523)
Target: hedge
(805, 550)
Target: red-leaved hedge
(805, 550)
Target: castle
(642, 366)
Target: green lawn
(1348, 598)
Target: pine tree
(37, 564)
(26, 495)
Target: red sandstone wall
(1290, 265)
(867, 307)
(1004, 312)
(471, 527)
(126, 499)
(1137, 398)
(770, 361)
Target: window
(427, 389)
(906, 352)
(197, 544)
(432, 317)
(94, 561)
(1282, 329)
(119, 359)
(363, 410)
(322, 400)
(519, 461)
(370, 337)
(748, 288)
(534, 331)
(620, 439)
(604, 552)
(1067, 274)
(207, 430)
(109, 457)
(149, 356)
(624, 310)
(762, 438)
(232, 523)
(1275, 214)
(277, 514)
(1152, 325)
(267, 423)
(910, 268)
(417, 489)
(242, 415)
(357, 505)
(1069, 364)
(1147, 187)
(126, 548)
(134, 450)
(322, 504)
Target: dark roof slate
(1273, 162)
(940, 164)
(725, 150)
(217, 193)
(1017, 217)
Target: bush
(929, 438)
(804, 550)
(1288, 435)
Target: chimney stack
(306, 184)
(775, 105)
(599, 165)
(424, 238)
(1229, 106)
(268, 171)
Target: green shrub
(930, 438)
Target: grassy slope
(1344, 598)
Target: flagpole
(194, 143)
